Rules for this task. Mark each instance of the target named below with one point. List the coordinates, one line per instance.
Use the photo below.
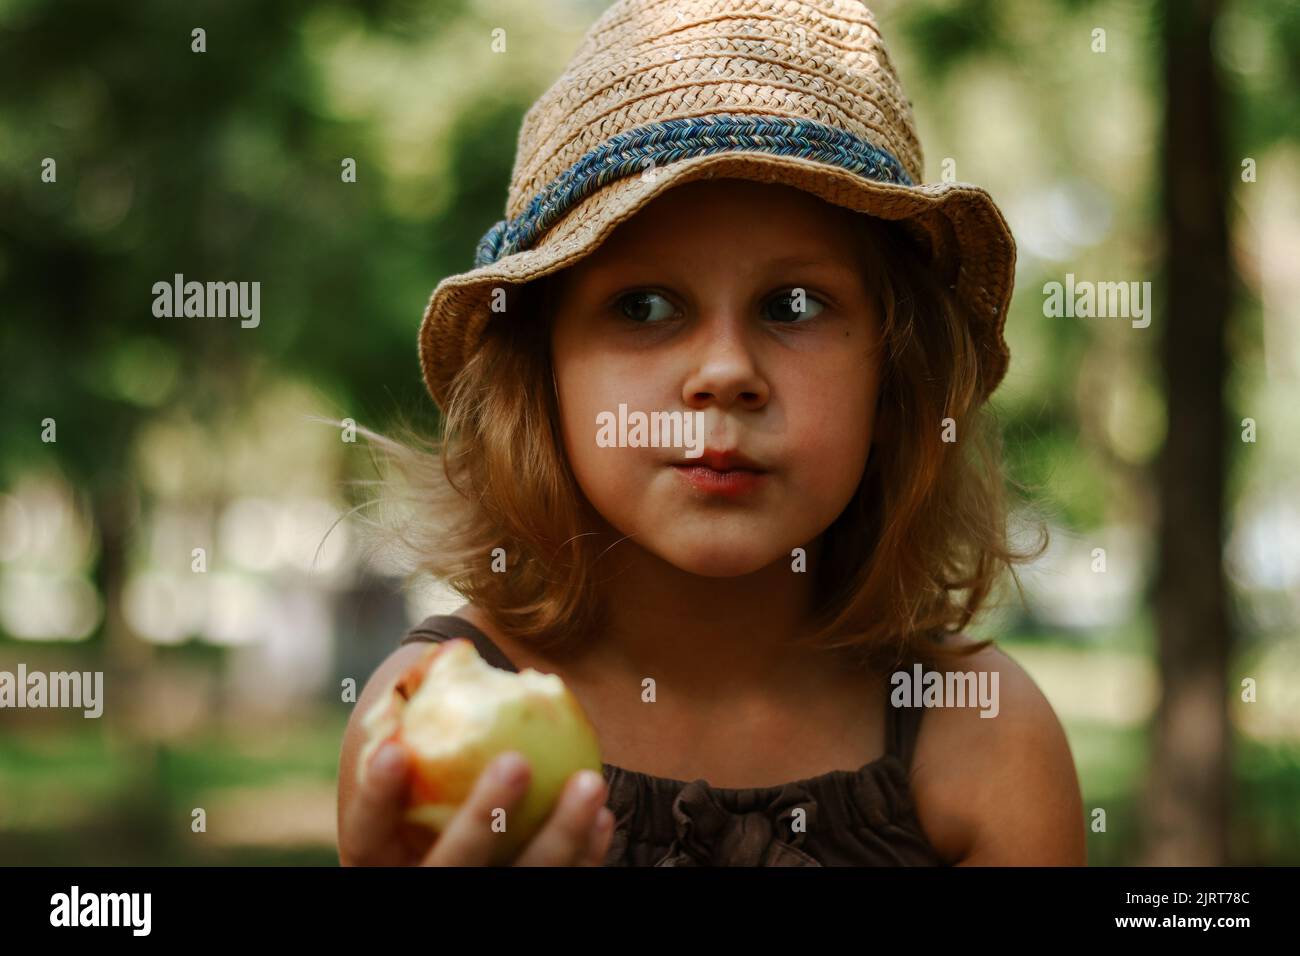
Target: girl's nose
(724, 369)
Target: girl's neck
(702, 635)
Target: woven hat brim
(972, 249)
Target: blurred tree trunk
(124, 657)
(1187, 790)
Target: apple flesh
(454, 713)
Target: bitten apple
(453, 713)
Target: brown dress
(862, 817)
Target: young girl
(716, 212)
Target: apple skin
(453, 713)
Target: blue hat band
(670, 140)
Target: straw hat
(797, 92)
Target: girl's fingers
(469, 839)
(602, 831)
(565, 838)
(373, 819)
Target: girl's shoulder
(994, 781)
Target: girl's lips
(733, 483)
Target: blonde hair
(912, 558)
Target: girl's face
(692, 306)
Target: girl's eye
(640, 307)
(794, 302)
(651, 307)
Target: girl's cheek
(603, 472)
(831, 434)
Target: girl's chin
(716, 560)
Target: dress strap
(444, 627)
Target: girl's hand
(577, 833)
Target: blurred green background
(223, 688)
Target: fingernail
(387, 763)
(588, 783)
(509, 768)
